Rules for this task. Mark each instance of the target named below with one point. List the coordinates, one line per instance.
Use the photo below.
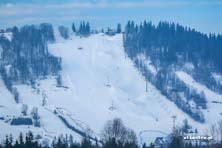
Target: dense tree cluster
(116, 135)
(116, 130)
(64, 32)
(172, 40)
(84, 29)
(22, 142)
(178, 92)
(26, 58)
(31, 141)
(170, 47)
(62, 142)
(173, 43)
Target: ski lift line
(165, 106)
(92, 74)
(112, 107)
(174, 121)
(72, 87)
(68, 77)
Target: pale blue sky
(203, 15)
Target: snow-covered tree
(44, 98)
(16, 94)
(26, 57)
(44, 101)
(59, 80)
(36, 117)
(34, 113)
(24, 109)
(186, 126)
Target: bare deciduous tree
(213, 129)
(115, 129)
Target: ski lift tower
(108, 82)
(112, 107)
(174, 121)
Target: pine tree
(86, 143)
(118, 30)
(8, 144)
(16, 144)
(73, 27)
(80, 28)
(84, 29)
(144, 145)
(21, 141)
(176, 143)
(10, 140)
(87, 28)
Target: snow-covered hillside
(213, 113)
(99, 82)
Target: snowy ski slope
(99, 83)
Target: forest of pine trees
(84, 29)
(173, 39)
(27, 53)
(170, 46)
(26, 58)
(29, 140)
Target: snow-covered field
(99, 84)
